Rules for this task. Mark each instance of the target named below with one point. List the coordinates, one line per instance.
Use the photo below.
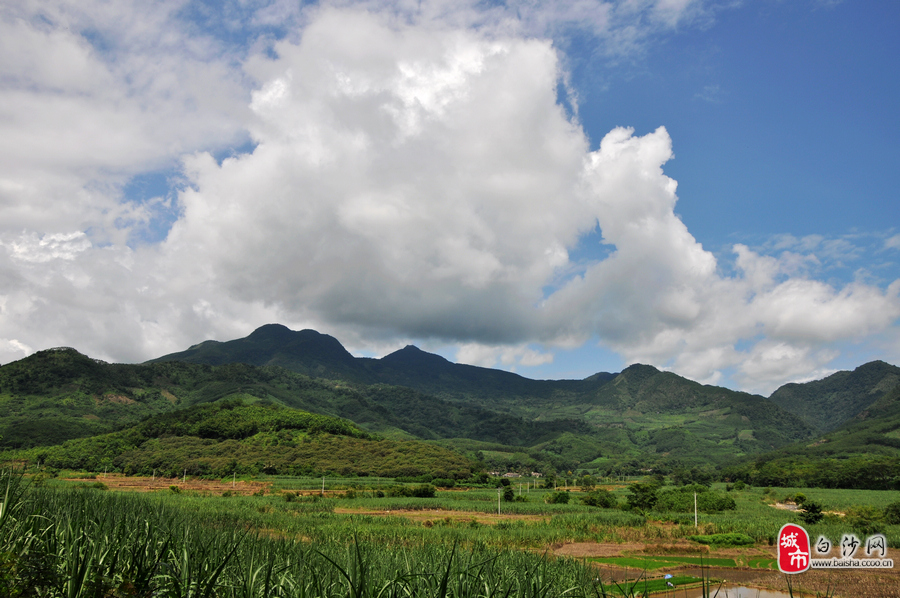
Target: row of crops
(74, 539)
(89, 543)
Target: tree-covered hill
(640, 396)
(306, 352)
(218, 439)
(60, 394)
(862, 453)
(641, 418)
(322, 356)
(833, 401)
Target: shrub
(811, 513)
(421, 491)
(642, 497)
(732, 539)
(479, 478)
(600, 498)
(866, 519)
(892, 513)
(557, 498)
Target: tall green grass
(85, 542)
(65, 540)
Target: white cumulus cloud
(413, 176)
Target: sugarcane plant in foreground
(88, 543)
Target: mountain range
(638, 419)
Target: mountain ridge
(639, 418)
(829, 403)
(661, 405)
(433, 374)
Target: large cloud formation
(410, 179)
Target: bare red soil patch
(145, 484)
(434, 515)
(594, 549)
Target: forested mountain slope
(59, 394)
(862, 453)
(833, 401)
(640, 418)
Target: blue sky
(784, 122)
(783, 116)
(495, 182)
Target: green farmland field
(79, 539)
